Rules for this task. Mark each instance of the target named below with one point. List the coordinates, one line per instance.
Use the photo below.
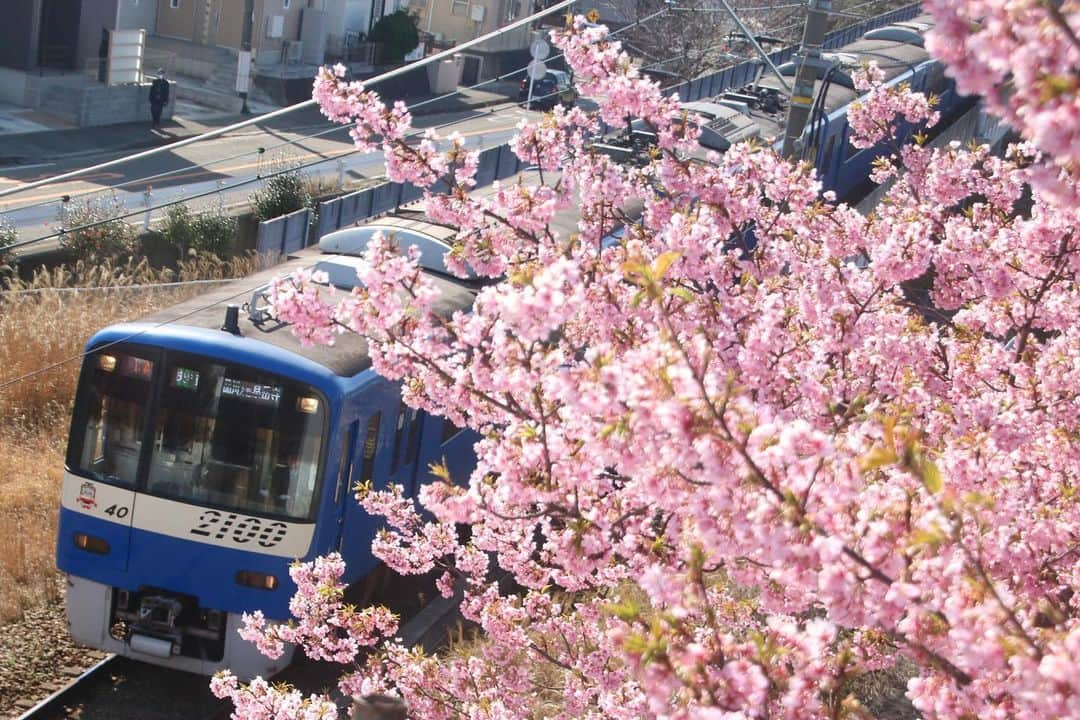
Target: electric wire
(118, 288)
(415, 133)
(305, 138)
(52, 366)
(26, 376)
(410, 67)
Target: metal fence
(500, 162)
(285, 234)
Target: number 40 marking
(117, 511)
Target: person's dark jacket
(159, 92)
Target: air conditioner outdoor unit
(275, 26)
(292, 51)
(477, 13)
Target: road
(229, 165)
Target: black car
(555, 88)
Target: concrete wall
(179, 22)
(268, 50)
(136, 14)
(75, 101)
(120, 103)
(12, 86)
(95, 15)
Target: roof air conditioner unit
(477, 13)
(275, 26)
(292, 51)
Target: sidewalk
(20, 147)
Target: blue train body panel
(203, 462)
(167, 534)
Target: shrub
(97, 233)
(284, 192)
(43, 324)
(398, 34)
(209, 231)
(8, 237)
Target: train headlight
(107, 362)
(258, 580)
(91, 543)
(307, 405)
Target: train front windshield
(198, 430)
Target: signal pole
(807, 62)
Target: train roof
(349, 354)
(896, 49)
(346, 357)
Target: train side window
(371, 444)
(399, 432)
(829, 148)
(852, 151)
(414, 434)
(348, 440)
(449, 430)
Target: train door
(404, 458)
(342, 487)
(370, 466)
(443, 443)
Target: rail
(55, 700)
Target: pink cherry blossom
(758, 447)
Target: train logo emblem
(87, 496)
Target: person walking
(159, 96)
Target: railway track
(116, 688)
(122, 689)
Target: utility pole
(243, 69)
(753, 41)
(807, 63)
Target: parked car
(555, 88)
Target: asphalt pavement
(22, 149)
(223, 170)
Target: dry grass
(44, 326)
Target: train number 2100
(240, 529)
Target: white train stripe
(221, 528)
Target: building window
(284, 4)
(174, 4)
(459, 7)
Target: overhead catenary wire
(117, 288)
(35, 373)
(441, 55)
(305, 138)
(59, 363)
(26, 376)
(223, 188)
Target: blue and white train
(209, 449)
(758, 110)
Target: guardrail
(283, 234)
(500, 162)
